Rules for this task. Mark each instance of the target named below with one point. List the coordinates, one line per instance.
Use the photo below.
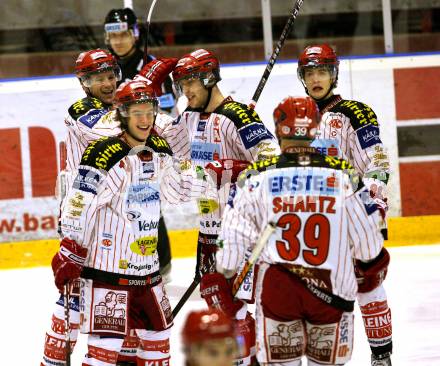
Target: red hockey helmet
(95, 61)
(318, 56)
(205, 325)
(296, 118)
(200, 64)
(134, 92)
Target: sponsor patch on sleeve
(253, 133)
(368, 136)
(86, 181)
(369, 204)
(91, 117)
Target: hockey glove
(155, 72)
(217, 292)
(370, 275)
(68, 262)
(225, 170)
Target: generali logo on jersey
(110, 314)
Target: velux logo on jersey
(145, 225)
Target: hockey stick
(265, 235)
(275, 53)
(194, 284)
(67, 322)
(147, 26)
(186, 295)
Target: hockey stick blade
(275, 53)
(267, 232)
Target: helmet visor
(98, 76)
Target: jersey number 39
(316, 238)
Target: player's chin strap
(208, 100)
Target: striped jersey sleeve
(243, 221)
(175, 132)
(180, 182)
(364, 223)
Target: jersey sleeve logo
(238, 113)
(87, 181)
(254, 133)
(104, 153)
(84, 105)
(159, 144)
(360, 114)
(368, 136)
(91, 117)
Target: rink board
(32, 126)
(402, 231)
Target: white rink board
(43, 102)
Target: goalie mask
(200, 64)
(318, 56)
(296, 118)
(94, 62)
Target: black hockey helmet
(120, 20)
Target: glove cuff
(73, 251)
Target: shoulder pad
(341, 164)
(336, 163)
(238, 113)
(84, 105)
(258, 166)
(315, 160)
(158, 144)
(104, 153)
(360, 114)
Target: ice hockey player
(98, 73)
(109, 226)
(350, 129)
(208, 338)
(124, 36)
(214, 128)
(306, 284)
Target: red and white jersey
(232, 131)
(321, 223)
(350, 130)
(87, 120)
(113, 205)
